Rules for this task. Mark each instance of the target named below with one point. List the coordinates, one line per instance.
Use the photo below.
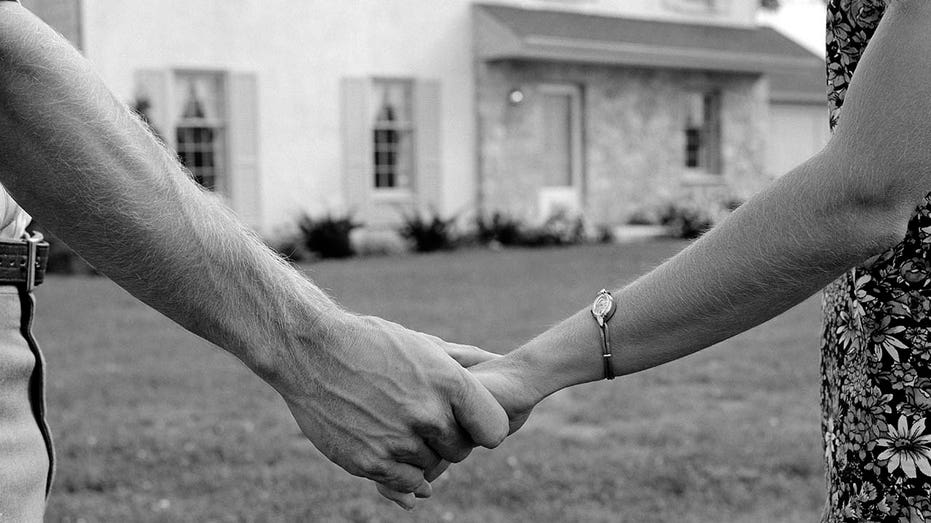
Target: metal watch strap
(603, 309)
(606, 352)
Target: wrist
(301, 344)
(566, 355)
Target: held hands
(508, 380)
(388, 403)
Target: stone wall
(633, 138)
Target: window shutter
(427, 140)
(153, 86)
(244, 184)
(356, 144)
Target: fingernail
(424, 490)
(407, 502)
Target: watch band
(606, 353)
(603, 308)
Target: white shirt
(13, 219)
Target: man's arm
(368, 393)
(847, 203)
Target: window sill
(703, 179)
(392, 195)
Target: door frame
(572, 194)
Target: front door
(561, 149)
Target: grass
(152, 424)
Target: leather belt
(23, 262)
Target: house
(377, 107)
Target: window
(703, 132)
(200, 127)
(393, 134)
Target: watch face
(602, 305)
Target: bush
(732, 203)
(643, 217)
(500, 229)
(686, 219)
(328, 237)
(559, 229)
(429, 233)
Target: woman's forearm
(782, 246)
(851, 201)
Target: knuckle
(403, 449)
(427, 419)
(430, 427)
(374, 468)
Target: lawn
(153, 424)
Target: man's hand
(387, 403)
(506, 378)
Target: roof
(511, 33)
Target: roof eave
(547, 48)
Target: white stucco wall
(300, 50)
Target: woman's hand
(510, 384)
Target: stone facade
(633, 138)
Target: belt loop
(32, 244)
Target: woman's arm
(851, 201)
(366, 392)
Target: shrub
(732, 203)
(565, 228)
(686, 219)
(605, 234)
(429, 233)
(559, 229)
(328, 237)
(500, 228)
(643, 217)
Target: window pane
(703, 132)
(405, 160)
(692, 147)
(199, 96)
(392, 134)
(392, 103)
(200, 157)
(199, 128)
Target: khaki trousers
(26, 454)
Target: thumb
(479, 414)
(467, 355)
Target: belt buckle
(32, 249)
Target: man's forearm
(86, 168)
(779, 248)
(380, 400)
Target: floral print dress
(875, 351)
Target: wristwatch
(603, 309)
